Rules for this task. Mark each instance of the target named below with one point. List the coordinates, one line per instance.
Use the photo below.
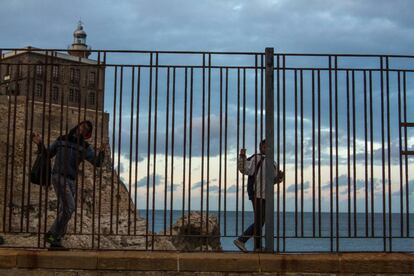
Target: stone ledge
(380, 263)
(218, 262)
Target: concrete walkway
(23, 260)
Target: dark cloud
(344, 180)
(198, 184)
(143, 181)
(291, 188)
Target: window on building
(55, 72)
(55, 94)
(77, 96)
(77, 75)
(39, 90)
(91, 98)
(39, 70)
(71, 95)
(92, 78)
(74, 75)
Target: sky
(302, 26)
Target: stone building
(70, 79)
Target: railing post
(269, 228)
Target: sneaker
(52, 240)
(240, 245)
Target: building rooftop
(59, 55)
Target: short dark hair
(90, 128)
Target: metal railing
(338, 125)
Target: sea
(356, 232)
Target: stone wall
(40, 262)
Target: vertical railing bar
(172, 151)
(191, 141)
(296, 152)
(407, 204)
(167, 113)
(154, 165)
(255, 133)
(319, 156)
(269, 205)
(225, 150)
(202, 141)
(42, 135)
(389, 157)
(137, 147)
(366, 153)
(30, 146)
(354, 152)
(336, 156)
(220, 149)
(185, 149)
(77, 170)
(48, 137)
(301, 153)
(330, 155)
(208, 143)
(284, 151)
(383, 157)
(11, 204)
(148, 150)
(101, 92)
(118, 195)
(372, 155)
(94, 158)
(6, 177)
(243, 142)
(348, 125)
(262, 210)
(130, 147)
(7, 159)
(26, 114)
(400, 159)
(238, 149)
(83, 166)
(65, 154)
(313, 153)
(113, 150)
(278, 154)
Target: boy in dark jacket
(69, 151)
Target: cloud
(291, 188)
(198, 184)
(360, 183)
(143, 181)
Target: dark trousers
(255, 229)
(65, 192)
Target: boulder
(196, 232)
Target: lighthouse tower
(79, 43)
